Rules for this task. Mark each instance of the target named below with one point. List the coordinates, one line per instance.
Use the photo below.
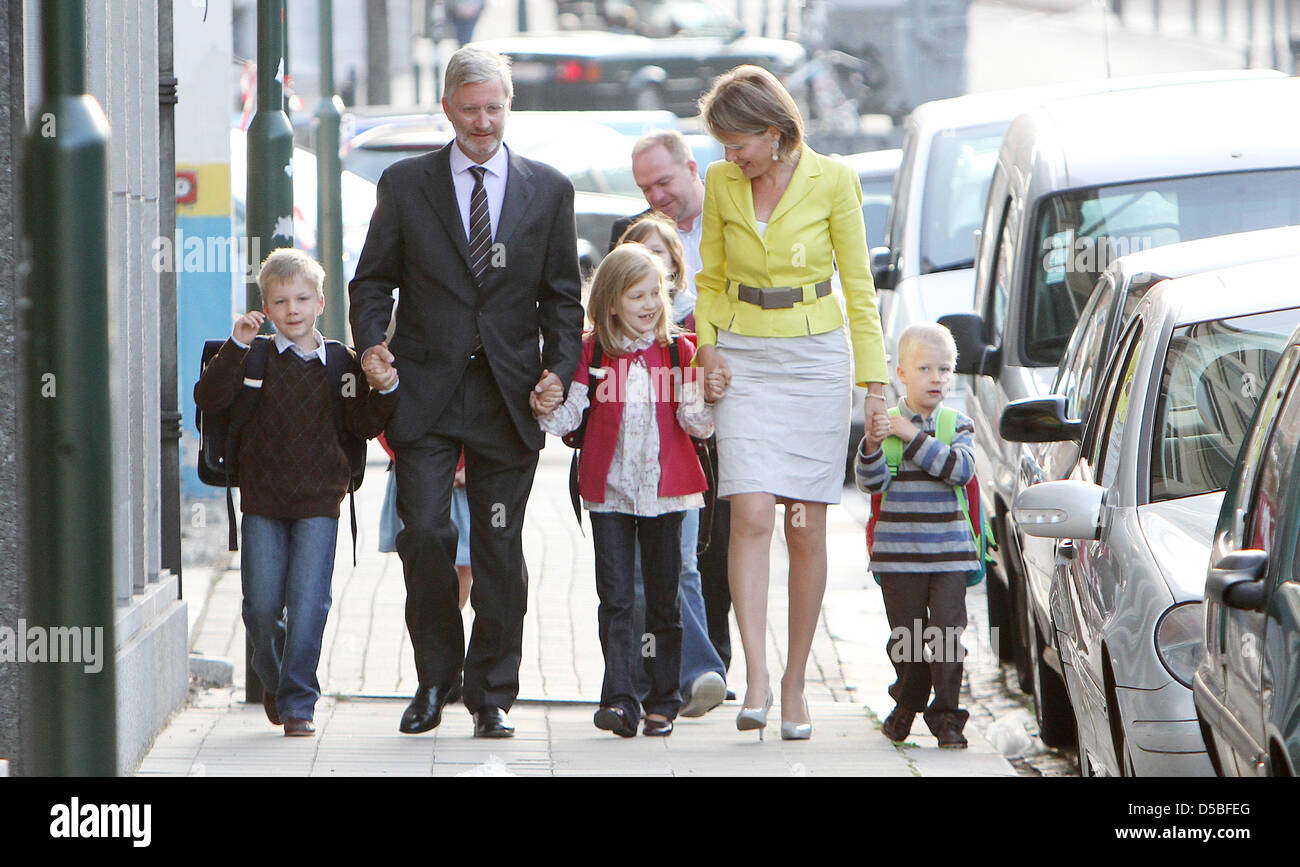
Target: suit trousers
(499, 471)
(927, 615)
(715, 525)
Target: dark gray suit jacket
(417, 242)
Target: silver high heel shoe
(751, 718)
(792, 731)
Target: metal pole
(66, 401)
(1272, 33)
(270, 186)
(169, 475)
(523, 16)
(270, 148)
(329, 189)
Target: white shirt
(494, 184)
(282, 343)
(684, 303)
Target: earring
(776, 149)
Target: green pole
(270, 148)
(329, 188)
(66, 422)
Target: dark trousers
(926, 608)
(499, 470)
(659, 649)
(715, 543)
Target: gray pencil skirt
(783, 425)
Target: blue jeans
(287, 566)
(698, 653)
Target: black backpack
(219, 431)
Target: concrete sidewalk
(367, 676)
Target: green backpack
(968, 496)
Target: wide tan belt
(781, 297)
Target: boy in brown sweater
(293, 474)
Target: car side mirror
(1067, 509)
(975, 356)
(882, 269)
(1237, 580)
(1039, 420)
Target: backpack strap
(893, 446)
(337, 365)
(241, 410)
(597, 362)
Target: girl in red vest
(637, 474)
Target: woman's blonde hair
(746, 101)
(625, 266)
(656, 223)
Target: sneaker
(898, 725)
(950, 736)
(706, 692)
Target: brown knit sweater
(291, 463)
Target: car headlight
(1180, 640)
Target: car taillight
(569, 71)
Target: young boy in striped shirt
(923, 548)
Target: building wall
(12, 590)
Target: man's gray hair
(670, 140)
(470, 65)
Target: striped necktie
(480, 226)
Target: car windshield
(1080, 232)
(1214, 375)
(956, 185)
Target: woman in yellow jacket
(778, 219)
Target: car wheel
(997, 601)
(1020, 627)
(1052, 709)
(651, 98)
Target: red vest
(679, 466)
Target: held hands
(247, 326)
(717, 373)
(877, 431)
(377, 362)
(546, 395)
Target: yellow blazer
(818, 222)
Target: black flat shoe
(657, 727)
(614, 719)
(424, 713)
(492, 722)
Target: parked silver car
(1135, 517)
(1078, 183)
(1120, 289)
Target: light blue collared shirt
(494, 184)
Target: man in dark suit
(482, 244)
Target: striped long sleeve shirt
(921, 527)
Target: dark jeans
(715, 524)
(659, 650)
(926, 609)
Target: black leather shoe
(268, 704)
(425, 710)
(615, 719)
(657, 727)
(492, 722)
